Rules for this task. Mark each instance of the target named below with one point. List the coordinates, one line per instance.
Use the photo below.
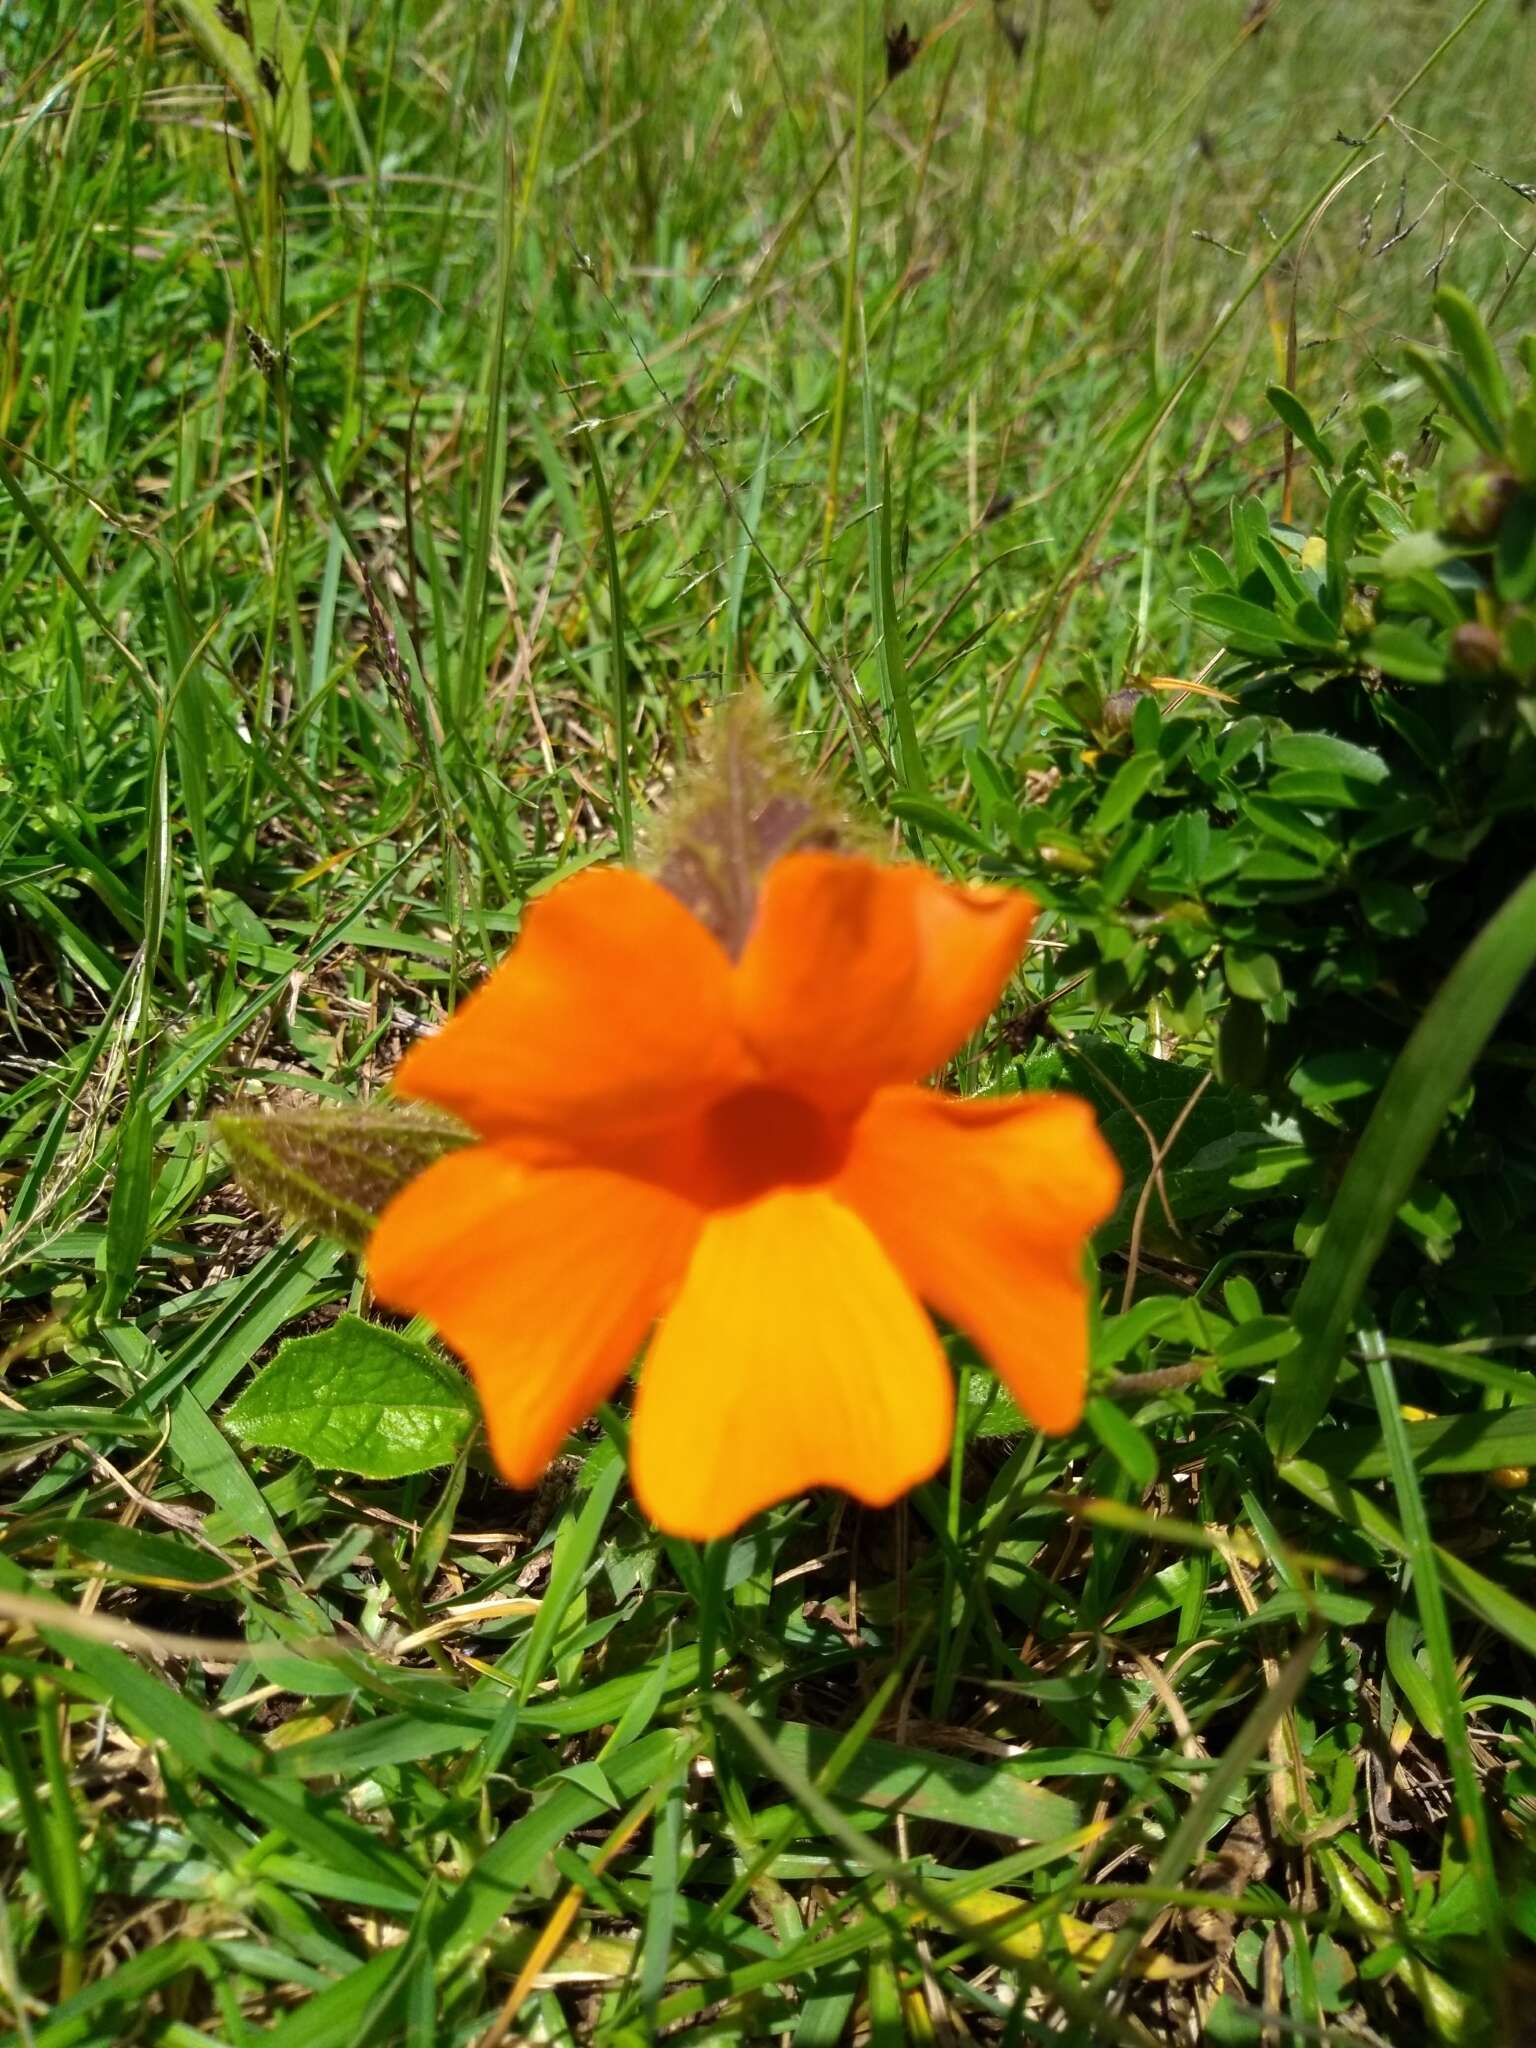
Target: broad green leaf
(934, 818)
(357, 1398)
(1392, 909)
(255, 45)
(1414, 553)
(1210, 568)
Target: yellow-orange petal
(544, 1282)
(970, 939)
(857, 975)
(986, 1207)
(794, 1356)
(610, 1017)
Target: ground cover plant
(1101, 439)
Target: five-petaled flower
(737, 1152)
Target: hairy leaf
(741, 807)
(333, 1170)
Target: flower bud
(1119, 710)
(1475, 650)
(1476, 501)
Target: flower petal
(970, 940)
(986, 1208)
(857, 975)
(794, 1356)
(544, 1282)
(610, 1016)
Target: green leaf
(1242, 624)
(940, 822)
(1482, 1596)
(1430, 1073)
(1296, 417)
(143, 1555)
(1455, 394)
(1131, 1450)
(1515, 555)
(1135, 1094)
(1428, 1592)
(1471, 341)
(1255, 977)
(1405, 653)
(1132, 780)
(1210, 568)
(334, 1170)
(1259, 1341)
(1345, 1076)
(1316, 768)
(210, 1464)
(256, 46)
(1479, 1441)
(357, 1398)
(1415, 554)
(1393, 909)
(1288, 822)
(580, 1532)
(128, 1211)
(995, 1799)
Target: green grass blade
(1430, 1073)
(1424, 1567)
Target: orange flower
(738, 1149)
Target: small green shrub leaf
(1403, 652)
(1301, 424)
(1471, 341)
(1258, 1341)
(1515, 555)
(1253, 976)
(1315, 768)
(1330, 1077)
(1131, 1450)
(357, 1398)
(1241, 623)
